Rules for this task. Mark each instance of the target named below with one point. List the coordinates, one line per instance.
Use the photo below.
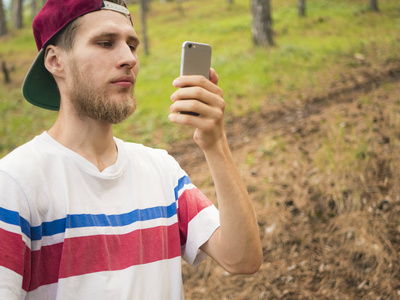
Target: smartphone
(196, 59)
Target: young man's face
(103, 65)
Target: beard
(93, 102)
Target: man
(84, 215)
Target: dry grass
(324, 176)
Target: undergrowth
(310, 52)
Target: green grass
(310, 51)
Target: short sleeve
(15, 251)
(198, 219)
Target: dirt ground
(324, 175)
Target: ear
(53, 61)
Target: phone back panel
(196, 59)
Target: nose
(128, 58)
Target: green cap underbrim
(39, 86)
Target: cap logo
(116, 7)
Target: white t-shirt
(68, 231)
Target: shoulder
(141, 149)
(18, 157)
(154, 161)
(147, 154)
(30, 157)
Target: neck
(91, 139)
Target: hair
(65, 38)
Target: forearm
(236, 245)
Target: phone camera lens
(190, 46)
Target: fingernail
(176, 83)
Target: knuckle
(219, 91)
(219, 115)
(203, 80)
(198, 92)
(223, 105)
(209, 125)
(193, 105)
(185, 118)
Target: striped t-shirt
(68, 231)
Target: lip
(124, 81)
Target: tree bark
(143, 12)
(34, 8)
(302, 8)
(3, 23)
(373, 5)
(17, 11)
(262, 23)
(6, 72)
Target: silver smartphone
(196, 59)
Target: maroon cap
(56, 14)
(39, 87)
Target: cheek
(136, 68)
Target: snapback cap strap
(116, 7)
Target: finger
(213, 76)
(204, 124)
(195, 107)
(197, 80)
(191, 92)
(199, 94)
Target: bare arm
(236, 244)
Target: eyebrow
(131, 38)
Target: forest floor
(324, 176)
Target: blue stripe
(181, 183)
(13, 218)
(76, 221)
(85, 220)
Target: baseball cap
(39, 86)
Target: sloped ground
(324, 175)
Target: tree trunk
(179, 4)
(3, 23)
(262, 23)
(373, 5)
(302, 8)
(34, 8)
(17, 14)
(6, 72)
(143, 11)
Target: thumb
(213, 76)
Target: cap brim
(39, 86)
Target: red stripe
(15, 255)
(45, 265)
(12, 251)
(190, 203)
(89, 254)
(27, 268)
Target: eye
(105, 44)
(133, 47)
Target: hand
(201, 96)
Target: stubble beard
(93, 102)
